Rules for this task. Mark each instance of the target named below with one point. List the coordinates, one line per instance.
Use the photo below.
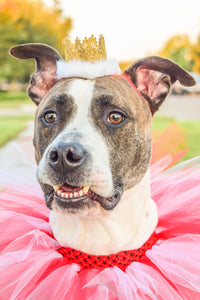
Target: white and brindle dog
(92, 144)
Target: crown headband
(87, 59)
(89, 50)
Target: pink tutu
(32, 268)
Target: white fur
(77, 68)
(127, 226)
(101, 177)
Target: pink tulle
(31, 268)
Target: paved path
(17, 157)
(24, 109)
(181, 107)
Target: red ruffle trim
(121, 259)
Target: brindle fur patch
(56, 100)
(130, 143)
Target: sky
(133, 29)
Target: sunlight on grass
(11, 126)
(13, 100)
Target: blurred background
(132, 29)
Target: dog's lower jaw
(128, 226)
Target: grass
(13, 100)
(160, 123)
(191, 130)
(192, 138)
(11, 126)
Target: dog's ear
(45, 76)
(154, 75)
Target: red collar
(132, 84)
(137, 90)
(121, 259)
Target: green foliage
(26, 21)
(179, 49)
(196, 56)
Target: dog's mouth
(71, 192)
(74, 197)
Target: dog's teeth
(72, 195)
(56, 187)
(86, 189)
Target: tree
(26, 21)
(196, 56)
(179, 49)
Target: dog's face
(91, 134)
(93, 137)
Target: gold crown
(88, 50)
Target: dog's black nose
(67, 155)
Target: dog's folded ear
(154, 75)
(45, 76)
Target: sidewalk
(17, 157)
(24, 109)
(181, 107)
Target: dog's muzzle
(69, 162)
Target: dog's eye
(50, 117)
(115, 118)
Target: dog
(92, 140)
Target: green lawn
(13, 100)
(11, 126)
(191, 131)
(193, 138)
